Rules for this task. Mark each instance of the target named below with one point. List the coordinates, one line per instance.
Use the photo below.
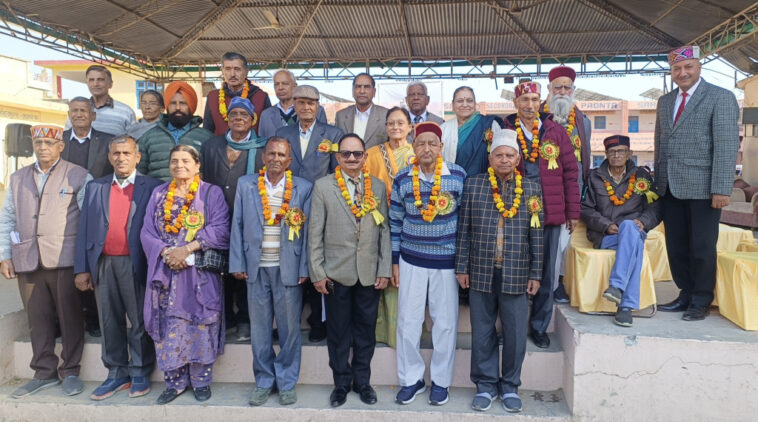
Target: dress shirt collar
(290, 108)
(39, 170)
(129, 180)
(306, 133)
(424, 116)
(108, 102)
(422, 175)
(689, 91)
(81, 140)
(279, 185)
(363, 115)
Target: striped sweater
(427, 245)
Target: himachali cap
(424, 127)
(559, 71)
(51, 132)
(306, 91)
(615, 141)
(504, 138)
(684, 53)
(529, 87)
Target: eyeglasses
(40, 142)
(617, 152)
(562, 87)
(356, 154)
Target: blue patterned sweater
(427, 245)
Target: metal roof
(154, 35)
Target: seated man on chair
(619, 210)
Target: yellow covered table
(747, 246)
(588, 271)
(730, 237)
(655, 246)
(737, 288)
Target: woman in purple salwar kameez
(183, 305)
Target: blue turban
(243, 103)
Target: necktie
(358, 195)
(416, 120)
(681, 107)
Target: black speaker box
(18, 140)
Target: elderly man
(224, 159)
(179, 126)
(560, 102)
(417, 99)
(110, 261)
(364, 118)
(283, 114)
(423, 218)
(84, 145)
(548, 159)
(619, 210)
(38, 225)
(696, 142)
(113, 117)
(499, 257)
(268, 251)
(234, 70)
(307, 136)
(349, 256)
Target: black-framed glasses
(356, 154)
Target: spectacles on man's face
(357, 154)
(615, 152)
(46, 142)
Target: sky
(627, 87)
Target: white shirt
(689, 97)
(288, 108)
(363, 115)
(129, 179)
(270, 189)
(423, 116)
(305, 138)
(81, 140)
(528, 129)
(430, 178)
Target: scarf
(465, 130)
(251, 144)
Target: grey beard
(560, 106)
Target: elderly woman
(384, 161)
(151, 106)
(183, 304)
(466, 139)
(619, 210)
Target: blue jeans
(269, 298)
(629, 245)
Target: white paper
(190, 260)
(15, 237)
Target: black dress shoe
(678, 305)
(368, 395)
(540, 340)
(317, 334)
(339, 396)
(695, 313)
(168, 396)
(202, 393)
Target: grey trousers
(514, 311)
(126, 352)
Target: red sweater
(116, 241)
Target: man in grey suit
(350, 260)
(309, 163)
(267, 248)
(696, 142)
(365, 118)
(417, 99)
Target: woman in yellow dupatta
(384, 161)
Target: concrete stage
(661, 369)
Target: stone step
(542, 369)
(229, 404)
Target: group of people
(189, 229)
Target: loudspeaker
(18, 140)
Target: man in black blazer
(110, 260)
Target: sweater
(427, 245)
(155, 146)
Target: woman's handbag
(213, 260)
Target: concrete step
(542, 369)
(229, 404)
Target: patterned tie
(681, 107)
(358, 195)
(416, 120)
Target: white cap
(505, 137)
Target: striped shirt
(272, 234)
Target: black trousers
(313, 298)
(351, 312)
(692, 230)
(235, 293)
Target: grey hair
(122, 139)
(81, 99)
(287, 71)
(416, 83)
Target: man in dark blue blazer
(110, 260)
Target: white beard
(560, 106)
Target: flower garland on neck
(176, 225)
(535, 138)
(510, 213)
(628, 194)
(222, 98)
(368, 204)
(575, 141)
(430, 211)
(264, 198)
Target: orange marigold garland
(369, 204)
(575, 141)
(267, 218)
(509, 213)
(176, 225)
(535, 138)
(628, 194)
(222, 99)
(430, 211)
